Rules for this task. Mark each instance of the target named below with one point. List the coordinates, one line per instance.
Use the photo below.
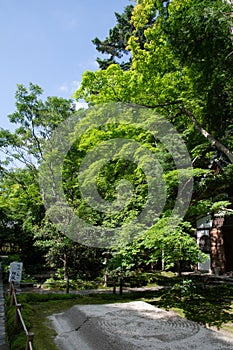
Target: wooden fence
(19, 317)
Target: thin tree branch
(204, 132)
(208, 136)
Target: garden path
(3, 342)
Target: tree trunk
(209, 137)
(106, 279)
(178, 264)
(163, 262)
(66, 276)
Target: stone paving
(3, 343)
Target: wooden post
(17, 319)
(30, 337)
(11, 287)
(114, 286)
(106, 279)
(12, 293)
(12, 299)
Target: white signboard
(15, 272)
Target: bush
(185, 289)
(60, 284)
(134, 279)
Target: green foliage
(20, 197)
(115, 44)
(180, 56)
(24, 228)
(35, 120)
(203, 43)
(186, 55)
(21, 208)
(107, 180)
(183, 290)
(210, 306)
(77, 284)
(163, 242)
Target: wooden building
(215, 238)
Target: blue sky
(48, 42)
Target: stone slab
(132, 326)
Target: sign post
(15, 272)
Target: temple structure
(215, 238)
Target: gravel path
(132, 326)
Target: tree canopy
(183, 69)
(171, 59)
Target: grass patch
(16, 335)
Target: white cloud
(79, 105)
(64, 88)
(69, 88)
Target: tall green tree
(188, 75)
(183, 70)
(116, 44)
(35, 121)
(21, 209)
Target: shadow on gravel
(209, 306)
